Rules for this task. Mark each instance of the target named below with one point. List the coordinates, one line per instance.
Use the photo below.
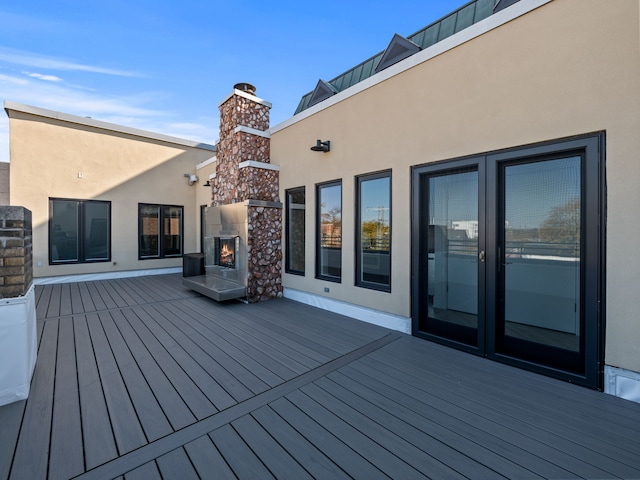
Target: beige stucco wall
(48, 157)
(204, 195)
(569, 67)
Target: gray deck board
(10, 419)
(143, 378)
(231, 345)
(276, 347)
(216, 396)
(262, 353)
(306, 453)
(191, 394)
(148, 471)
(99, 443)
(206, 459)
(53, 309)
(85, 297)
(77, 306)
(126, 426)
(154, 422)
(96, 298)
(31, 458)
(173, 405)
(378, 455)
(379, 426)
(66, 305)
(333, 447)
(519, 418)
(234, 389)
(567, 426)
(105, 297)
(176, 464)
(276, 458)
(66, 455)
(238, 455)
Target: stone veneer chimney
(244, 174)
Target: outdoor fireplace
(243, 223)
(225, 254)
(225, 251)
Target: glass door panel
(540, 262)
(452, 257)
(507, 256)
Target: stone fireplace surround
(244, 205)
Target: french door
(507, 256)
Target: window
(373, 234)
(79, 231)
(159, 231)
(329, 231)
(295, 233)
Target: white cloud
(18, 57)
(41, 76)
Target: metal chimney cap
(245, 87)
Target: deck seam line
(151, 451)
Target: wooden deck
(141, 378)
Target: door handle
(481, 256)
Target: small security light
(192, 178)
(207, 184)
(321, 146)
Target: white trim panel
(206, 162)
(493, 21)
(369, 315)
(240, 93)
(252, 131)
(91, 277)
(262, 165)
(622, 383)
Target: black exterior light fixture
(207, 184)
(321, 146)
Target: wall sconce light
(321, 146)
(192, 178)
(207, 184)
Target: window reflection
(374, 231)
(330, 231)
(295, 230)
(542, 252)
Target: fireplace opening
(225, 252)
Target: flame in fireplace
(227, 255)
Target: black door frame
(593, 235)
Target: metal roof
(465, 16)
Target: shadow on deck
(142, 378)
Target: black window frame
(161, 236)
(288, 230)
(80, 232)
(318, 219)
(359, 282)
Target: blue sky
(164, 66)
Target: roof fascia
(90, 122)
